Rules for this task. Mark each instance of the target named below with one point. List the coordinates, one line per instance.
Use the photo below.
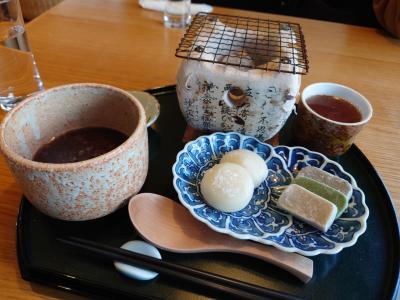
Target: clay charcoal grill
(240, 74)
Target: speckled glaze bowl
(83, 190)
(329, 137)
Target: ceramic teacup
(87, 189)
(324, 135)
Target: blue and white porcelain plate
(261, 220)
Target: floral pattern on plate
(261, 220)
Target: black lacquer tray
(367, 270)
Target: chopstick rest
(135, 272)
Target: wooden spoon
(171, 227)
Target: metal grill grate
(245, 42)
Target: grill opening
(245, 43)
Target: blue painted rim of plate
(338, 246)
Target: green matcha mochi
(325, 192)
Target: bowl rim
(19, 159)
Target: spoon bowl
(177, 231)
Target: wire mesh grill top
(245, 42)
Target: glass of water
(176, 13)
(19, 75)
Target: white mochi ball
(249, 160)
(227, 187)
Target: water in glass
(19, 75)
(177, 13)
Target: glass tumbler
(177, 13)
(19, 75)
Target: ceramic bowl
(82, 190)
(261, 220)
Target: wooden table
(118, 43)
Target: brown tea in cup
(327, 124)
(334, 108)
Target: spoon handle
(298, 265)
(176, 230)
